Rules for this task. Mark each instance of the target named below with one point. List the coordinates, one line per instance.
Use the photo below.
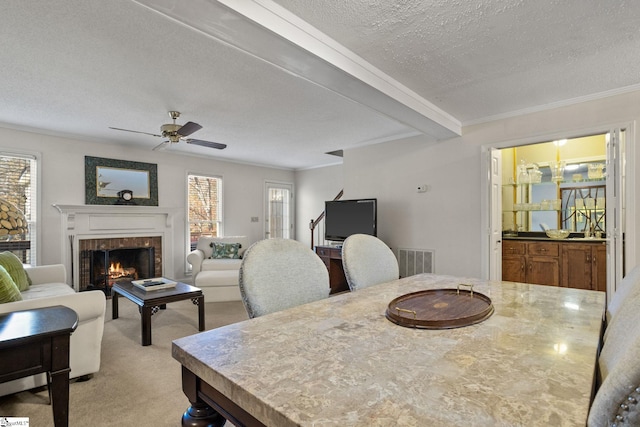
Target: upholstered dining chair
(618, 375)
(616, 402)
(627, 286)
(277, 274)
(367, 261)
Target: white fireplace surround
(81, 222)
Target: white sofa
(218, 278)
(48, 289)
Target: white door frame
(281, 185)
(624, 206)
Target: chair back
(277, 274)
(615, 402)
(368, 261)
(628, 285)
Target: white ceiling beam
(269, 32)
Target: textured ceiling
(77, 67)
(484, 58)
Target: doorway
(521, 212)
(278, 213)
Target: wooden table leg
(59, 380)
(146, 325)
(199, 414)
(114, 305)
(200, 302)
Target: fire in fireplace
(110, 266)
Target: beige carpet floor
(136, 386)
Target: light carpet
(136, 386)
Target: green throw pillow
(225, 250)
(14, 267)
(8, 290)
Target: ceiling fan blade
(161, 146)
(137, 131)
(208, 144)
(188, 128)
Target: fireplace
(106, 227)
(107, 267)
(104, 262)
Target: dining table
(341, 361)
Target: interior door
(278, 210)
(495, 216)
(615, 179)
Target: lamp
(12, 220)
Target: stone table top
(340, 362)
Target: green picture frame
(107, 180)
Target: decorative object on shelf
(558, 234)
(535, 176)
(110, 180)
(523, 175)
(595, 170)
(557, 170)
(12, 221)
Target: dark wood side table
(36, 341)
(332, 258)
(150, 301)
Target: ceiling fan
(176, 133)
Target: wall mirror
(558, 184)
(112, 181)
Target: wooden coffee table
(150, 301)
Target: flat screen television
(346, 217)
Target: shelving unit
(522, 201)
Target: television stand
(331, 256)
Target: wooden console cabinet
(332, 258)
(584, 266)
(556, 263)
(531, 262)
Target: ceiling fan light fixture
(175, 133)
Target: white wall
(62, 182)
(313, 187)
(447, 217)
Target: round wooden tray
(440, 308)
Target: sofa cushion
(47, 290)
(8, 289)
(14, 267)
(216, 279)
(225, 250)
(221, 264)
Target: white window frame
(219, 222)
(34, 215)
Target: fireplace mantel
(80, 222)
(115, 210)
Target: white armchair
(48, 288)
(217, 277)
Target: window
(204, 199)
(18, 186)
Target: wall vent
(415, 261)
